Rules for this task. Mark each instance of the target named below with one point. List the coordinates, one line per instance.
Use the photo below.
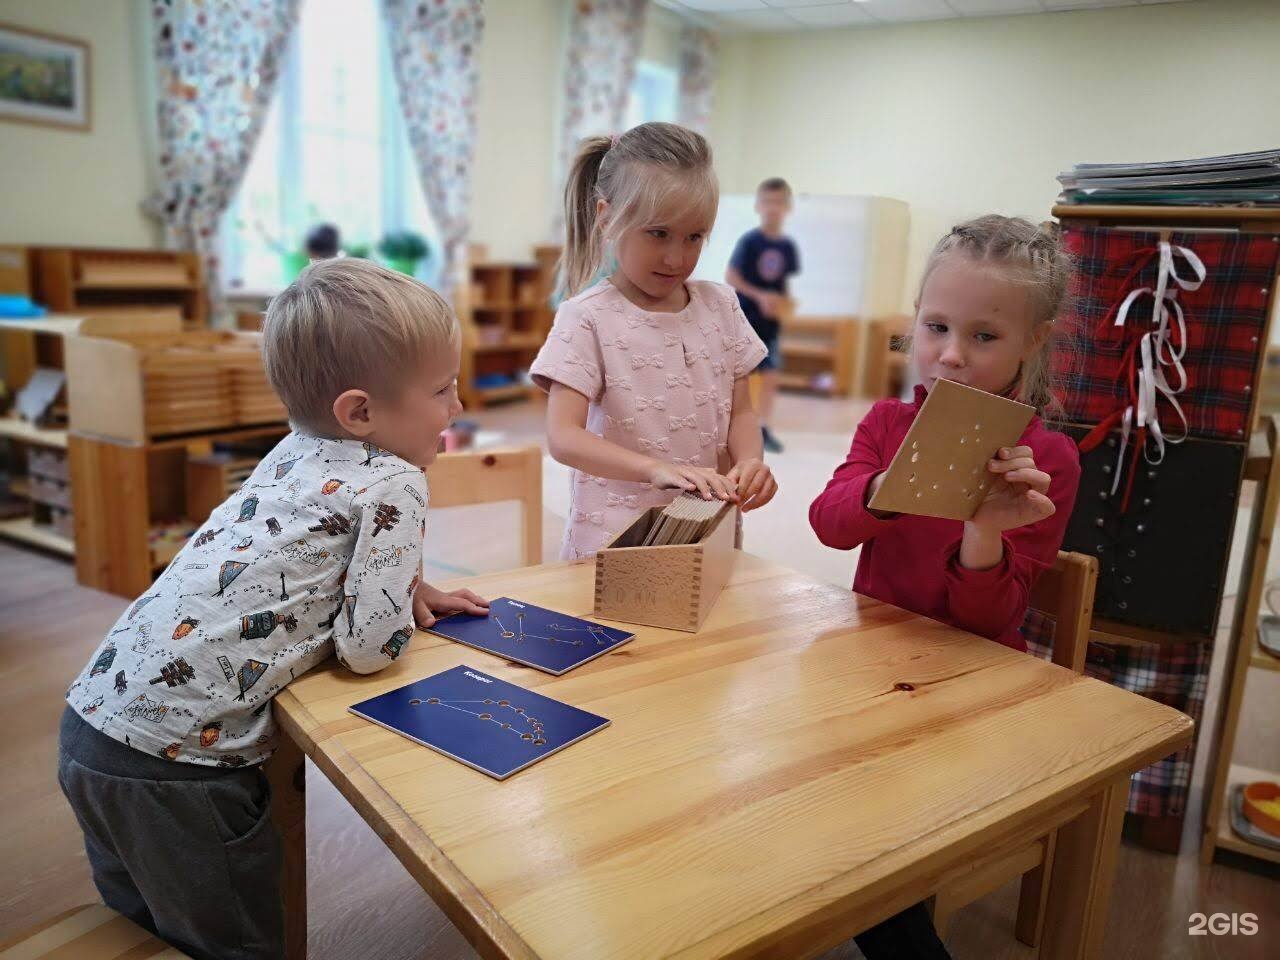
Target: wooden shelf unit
(27, 531)
(505, 312)
(88, 281)
(133, 503)
(11, 428)
(819, 354)
(1261, 659)
(63, 278)
(1223, 836)
(1262, 467)
(1244, 654)
(37, 454)
(145, 410)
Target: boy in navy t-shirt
(761, 263)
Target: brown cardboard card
(941, 468)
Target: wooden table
(808, 764)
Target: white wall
(516, 137)
(963, 117)
(515, 187)
(69, 186)
(661, 41)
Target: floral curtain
(434, 50)
(697, 76)
(604, 41)
(217, 63)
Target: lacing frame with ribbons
(1148, 354)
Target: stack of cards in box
(185, 391)
(685, 520)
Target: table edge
(447, 886)
(1167, 737)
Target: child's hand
(711, 485)
(755, 482)
(1018, 492)
(770, 303)
(428, 601)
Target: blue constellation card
(535, 636)
(488, 724)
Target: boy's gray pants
(186, 851)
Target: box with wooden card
(669, 566)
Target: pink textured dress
(660, 384)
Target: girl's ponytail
(583, 248)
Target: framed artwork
(43, 78)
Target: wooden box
(48, 462)
(51, 493)
(672, 587)
(63, 522)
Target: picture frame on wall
(44, 78)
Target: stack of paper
(1237, 179)
(687, 519)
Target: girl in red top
(984, 318)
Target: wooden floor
(363, 903)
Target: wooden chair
(90, 932)
(489, 476)
(885, 367)
(1065, 593)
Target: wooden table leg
(287, 772)
(1084, 863)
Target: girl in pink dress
(646, 370)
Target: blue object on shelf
(487, 381)
(16, 307)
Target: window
(655, 93)
(333, 149)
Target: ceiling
(766, 15)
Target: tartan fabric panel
(1175, 674)
(1226, 325)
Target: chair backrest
(1065, 592)
(882, 375)
(490, 476)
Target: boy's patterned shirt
(319, 551)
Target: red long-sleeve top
(913, 562)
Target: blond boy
(318, 553)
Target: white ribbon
(1158, 351)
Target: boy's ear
(351, 410)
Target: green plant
(404, 245)
(360, 251)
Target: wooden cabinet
(140, 283)
(820, 354)
(505, 312)
(146, 412)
